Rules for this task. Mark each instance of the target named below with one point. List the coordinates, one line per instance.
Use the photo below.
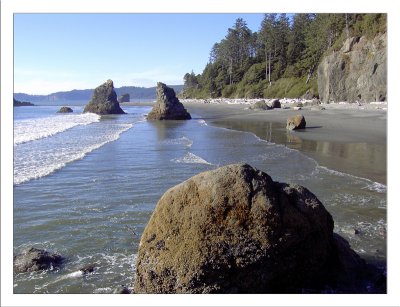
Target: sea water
(85, 186)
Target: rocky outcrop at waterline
(235, 230)
(35, 259)
(357, 72)
(167, 105)
(275, 104)
(260, 105)
(65, 110)
(124, 98)
(104, 100)
(122, 289)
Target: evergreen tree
(266, 39)
(246, 64)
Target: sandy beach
(348, 138)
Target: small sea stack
(167, 106)
(124, 98)
(104, 100)
(235, 230)
(65, 110)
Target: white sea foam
(34, 129)
(202, 122)
(179, 141)
(376, 186)
(191, 158)
(370, 185)
(105, 290)
(75, 274)
(39, 163)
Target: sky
(61, 52)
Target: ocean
(85, 186)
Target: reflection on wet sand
(366, 160)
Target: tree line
(280, 59)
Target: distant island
(18, 103)
(133, 91)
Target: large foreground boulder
(234, 230)
(167, 105)
(104, 100)
(35, 259)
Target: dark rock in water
(235, 230)
(88, 269)
(275, 104)
(167, 105)
(65, 110)
(124, 98)
(35, 259)
(18, 103)
(104, 100)
(296, 122)
(121, 290)
(260, 105)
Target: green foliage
(289, 88)
(255, 73)
(229, 91)
(287, 53)
(369, 25)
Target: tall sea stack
(104, 100)
(167, 105)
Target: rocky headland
(355, 73)
(104, 100)
(235, 230)
(167, 106)
(18, 103)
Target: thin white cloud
(44, 87)
(43, 82)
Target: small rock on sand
(296, 122)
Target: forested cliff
(284, 58)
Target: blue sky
(61, 52)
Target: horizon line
(85, 89)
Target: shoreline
(348, 138)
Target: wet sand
(342, 138)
